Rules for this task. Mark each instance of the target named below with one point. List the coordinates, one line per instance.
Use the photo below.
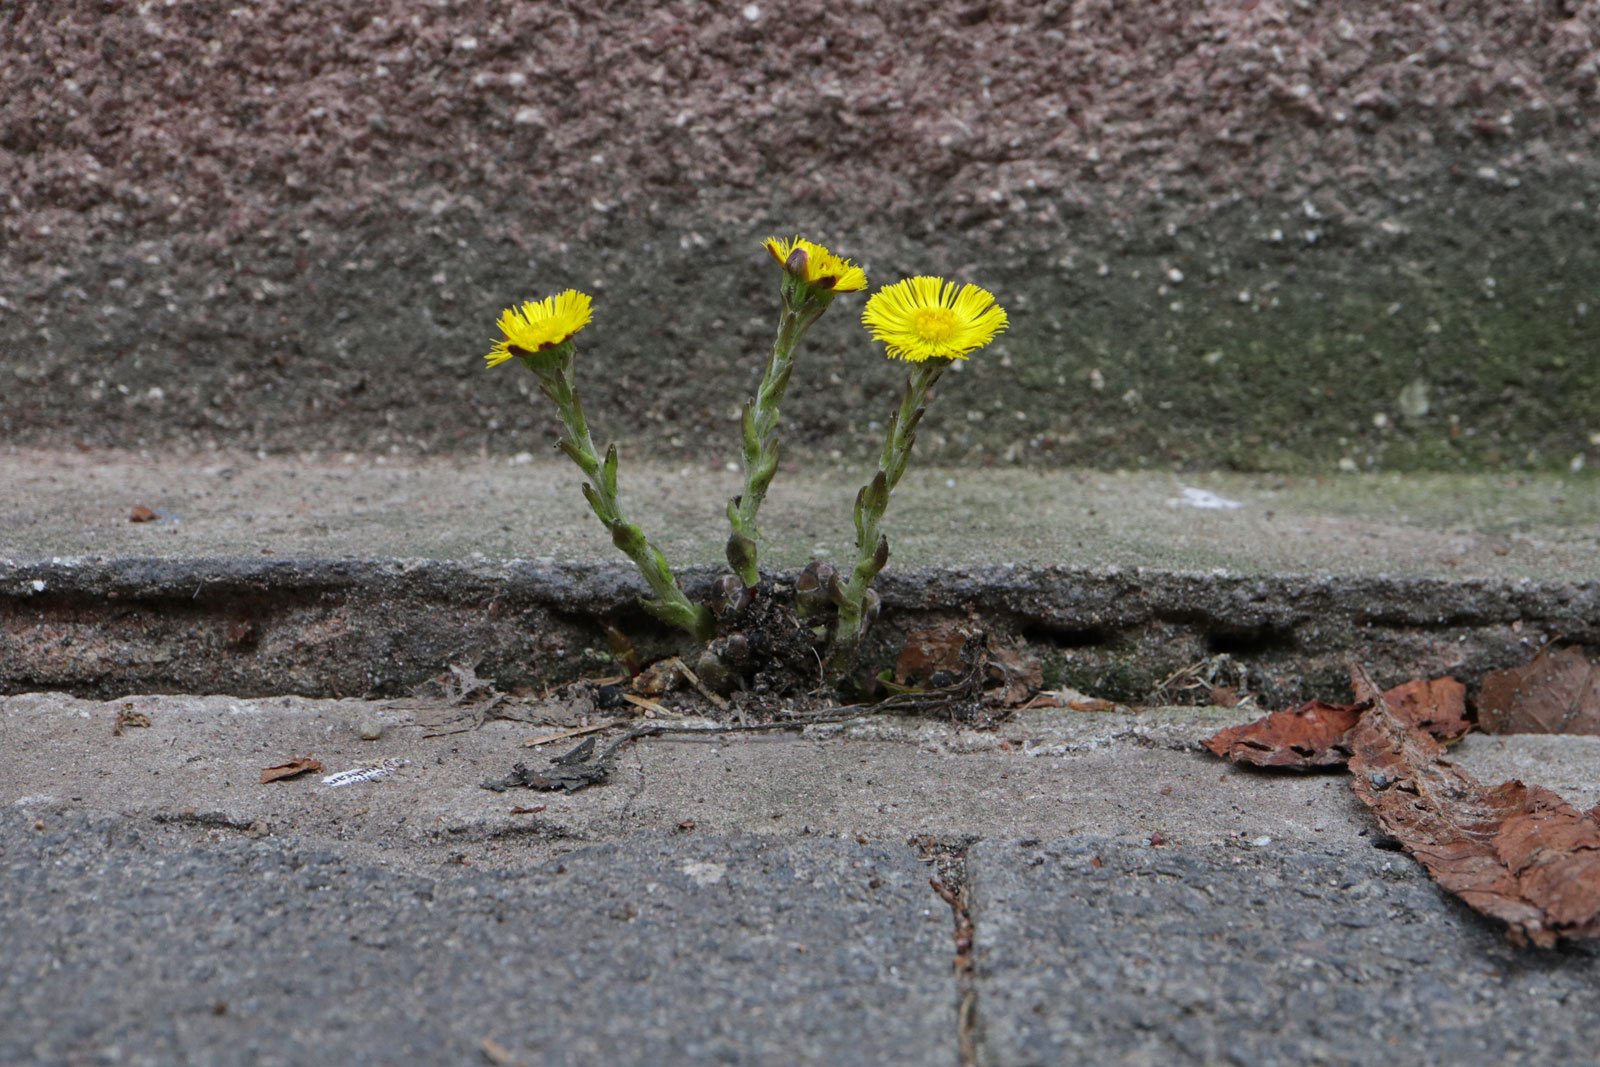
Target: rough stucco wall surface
(1253, 234)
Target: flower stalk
(854, 596)
(929, 323)
(812, 276)
(539, 334)
(803, 304)
(670, 604)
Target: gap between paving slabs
(328, 627)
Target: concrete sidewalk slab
(329, 579)
(888, 780)
(1092, 951)
(231, 505)
(1235, 916)
(1045, 774)
(129, 944)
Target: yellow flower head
(822, 268)
(538, 325)
(929, 318)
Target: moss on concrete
(1460, 332)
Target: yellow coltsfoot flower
(539, 333)
(540, 324)
(932, 323)
(926, 318)
(818, 267)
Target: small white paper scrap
(365, 774)
(1203, 498)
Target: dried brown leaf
(292, 769)
(1313, 734)
(931, 652)
(1438, 706)
(942, 654)
(1558, 693)
(1225, 696)
(1518, 853)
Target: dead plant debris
(292, 769)
(473, 701)
(497, 1054)
(577, 731)
(1218, 679)
(1515, 852)
(1311, 735)
(588, 765)
(1072, 700)
(1558, 693)
(129, 719)
(1316, 734)
(1438, 706)
(940, 655)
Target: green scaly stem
(802, 305)
(872, 547)
(555, 370)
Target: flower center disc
(934, 324)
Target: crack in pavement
(949, 859)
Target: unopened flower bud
(728, 596)
(811, 587)
(735, 649)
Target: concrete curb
(350, 627)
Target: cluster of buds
(818, 590)
(925, 321)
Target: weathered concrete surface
(1278, 236)
(1049, 772)
(334, 578)
(125, 943)
(234, 505)
(1091, 950)
(1046, 772)
(758, 900)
